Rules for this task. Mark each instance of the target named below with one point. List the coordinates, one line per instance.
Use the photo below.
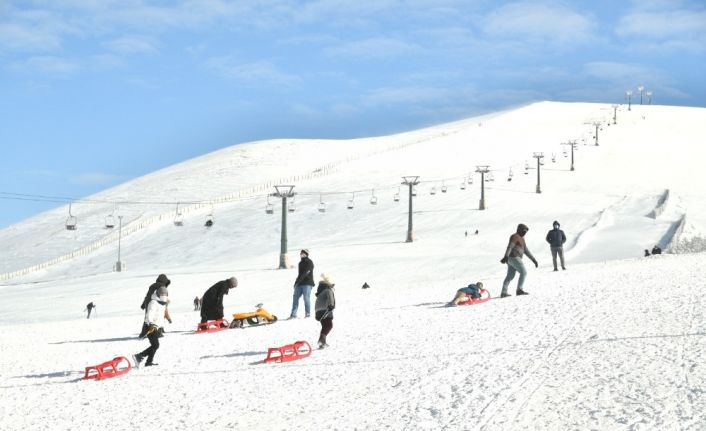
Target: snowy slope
(612, 343)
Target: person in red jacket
(516, 248)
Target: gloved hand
(152, 328)
(504, 259)
(536, 265)
(169, 319)
(330, 308)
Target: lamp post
(615, 114)
(597, 125)
(539, 157)
(573, 145)
(482, 170)
(284, 192)
(410, 181)
(641, 89)
(628, 95)
(649, 97)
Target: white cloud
(263, 72)
(48, 66)
(535, 22)
(620, 72)
(133, 45)
(405, 95)
(682, 24)
(378, 48)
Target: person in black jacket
(556, 240)
(212, 300)
(303, 285)
(162, 281)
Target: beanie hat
(233, 282)
(556, 224)
(522, 226)
(479, 284)
(305, 251)
(326, 278)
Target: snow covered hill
(614, 342)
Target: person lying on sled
(472, 290)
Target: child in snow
(325, 303)
(162, 281)
(154, 318)
(472, 290)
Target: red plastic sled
(288, 353)
(108, 369)
(212, 326)
(484, 296)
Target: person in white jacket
(154, 319)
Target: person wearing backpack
(162, 281)
(323, 307)
(154, 319)
(556, 240)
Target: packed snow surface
(614, 342)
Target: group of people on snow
(156, 301)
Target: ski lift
(509, 175)
(566, 154)
(350, 202)
(463, 185)
(443, 187)
(178, 219)
(71, 220)
(433, 190)
(414, 191)
(322, 205)
(292, 207)
(526, 168)
(553, 158)
(491, 177)
(269, 208)
(110, 219)
(373, 198)
(470, 180)
(397, 195)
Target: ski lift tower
(482, 170)
(284, 192)
(119, 265)
(410, 181)
(615, 114)
(628, 95)
(641, 89)
(573, 145)
(539, 157)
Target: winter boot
(151, 364)
(521, 292)
(504, 295)
(137, 359)
(322, 342)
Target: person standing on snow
(556, 240)
(154, 319)
(162, 281)
(89, 308)
(303, 285)
(212, 300)
(516, 248)
(325, 303)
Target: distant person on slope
(162, 281)
(154, 319)
(197, 303)
(556, 240)
(303, 285)
(325, 303)
(89, 308)
(516, 248)
(212, 300)
(472, 290)
(656, 250)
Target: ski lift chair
(463, 185)
(322, 205)
(396, 197)
(443, 188)
(71, 220)
(269, 208)
(109, 222)
(350, 203)
(209, 220)
(432, 191)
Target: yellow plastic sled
(254, 318)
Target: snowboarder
(89, 308)
(516, 248)
(656, 250)
(154, 319)
(472, 290)
(325, 303)
(212, 300)
(556, 240)
(197, 303)
(303, 285)
(162, 281)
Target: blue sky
(96, 92)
